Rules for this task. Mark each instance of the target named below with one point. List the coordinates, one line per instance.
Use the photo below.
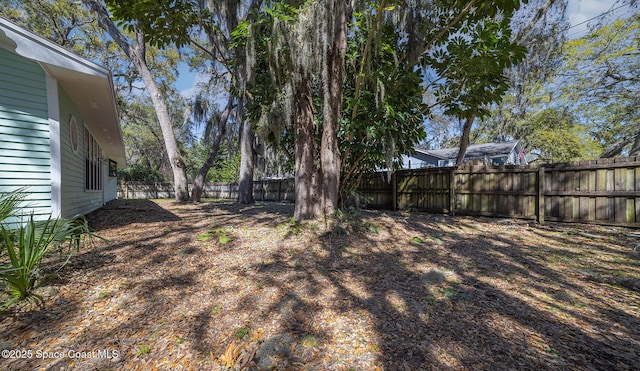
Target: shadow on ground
(119, 213)
(387, 290)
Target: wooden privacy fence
(603, 191)
(263, 190)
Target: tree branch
(105, 22)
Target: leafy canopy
(161, 22)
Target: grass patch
(223, 236)
(310, 341)
(216, 310)
(142, 349)
(242, 332)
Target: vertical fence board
(602, 208)
(611, 209)
(620, 209)
(601, 180)
(619, 180)
(630, 211)
(630, 181)
(583, 208)
(540, 199)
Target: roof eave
(89, 85)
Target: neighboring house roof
(476, 151)
(89, 85)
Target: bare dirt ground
(216, 285)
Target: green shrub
(139, 173)
(23, 245)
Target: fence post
(452, 192)
(394, 190)
(279, 188)
(540, 196)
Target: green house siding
(75, 199)
(25, 159)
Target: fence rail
(263, 190)
(603, 191)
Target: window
(93, 162)
(74, 134)
(113, 168)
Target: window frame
(73, 128)
(93, 158)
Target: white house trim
(53, 104)
(36, 48)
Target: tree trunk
(308, 200)
(137, 55)
(464, 140)
(198, 182)
(180, 183)
(333, 79)
(245, 181)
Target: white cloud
(191, 91)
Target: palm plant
(10, 203)
(9, 206)
(23, 245)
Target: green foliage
(226, 169)
(24, 244)
(389, 108)
(583, 107)
(390, 52)
(10, 203)
(139, 173)
(549, 134)
(556, 136)
(162, 22)
(64, 22)
(310, 341)
(599, 80)
(203, 237)
(142, 349)
(242, 332)
(472, 66)
(417, 240)
(223, 236)
(224, 239)
(216, 310)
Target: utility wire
(596, 17)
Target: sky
(579, 11)
(186, 80)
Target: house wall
(75, 198)
(25, 159)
